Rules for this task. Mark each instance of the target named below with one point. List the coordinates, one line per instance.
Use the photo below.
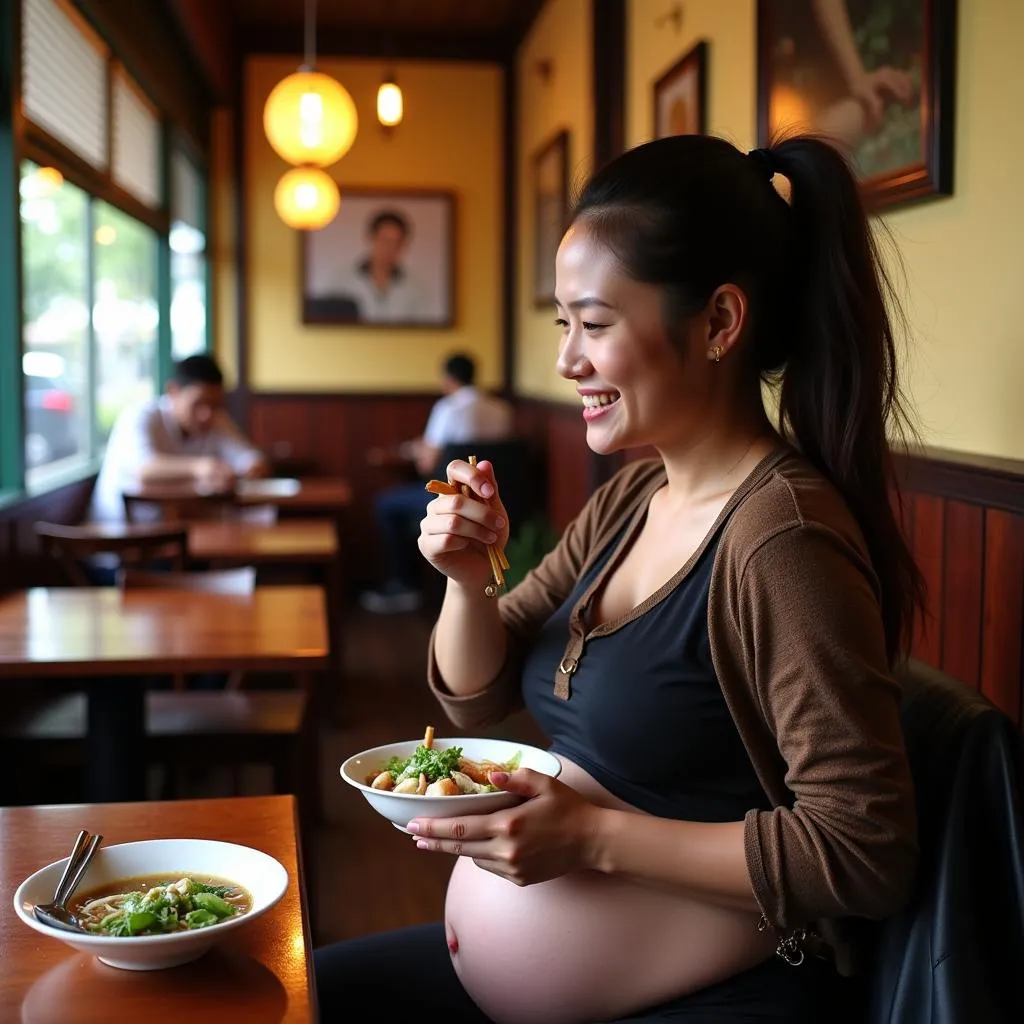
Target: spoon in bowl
(56, 914)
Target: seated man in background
(463, 414)
(184, 435)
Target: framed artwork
(550, 213)
(680, 96)
(387, 258)
(875, 77)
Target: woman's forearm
(470, 641)
(701, 859)
(834, 22)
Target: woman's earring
(716, 351)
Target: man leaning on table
(184, 435)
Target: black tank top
(647, 718)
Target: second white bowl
(401, 808)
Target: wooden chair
(72, 546)
(174, 506)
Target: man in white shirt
(464, 414)
(184, 435)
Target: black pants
(411, 971)
(398, 512)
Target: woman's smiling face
(637, 386)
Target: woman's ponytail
(840, 397)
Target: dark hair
(690, 213)
(461, 368)
(389, 217)
(198, 370)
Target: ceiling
(489, 29)
(435, 17)
(219, 32)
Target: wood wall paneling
(962, 580)
(926, 542)
(1002, 672)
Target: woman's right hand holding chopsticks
(458, 528)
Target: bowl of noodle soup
(160, 902)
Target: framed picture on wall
(680, 96)
(387, 259)
(876, 77)
(550, 213)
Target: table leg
(115, 745)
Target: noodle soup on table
(148, 905)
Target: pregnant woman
(709, 646)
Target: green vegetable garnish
(200, 919)
(214, 904)
(435, 764)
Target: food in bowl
(147, 906)
(401, 808)
(120, 868)
(431, 771)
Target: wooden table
(261, 973)
(293, 541)
(110, 639)
(301, 542)
(309, 496)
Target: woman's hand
(548, 835)
(457, 528)
(875, 88)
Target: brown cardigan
(798, 647)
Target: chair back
(174, 505)
(136, 545)
(958, 944)
(241, 581)
(513, 468)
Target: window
(112, 210)
(55, 302)
(188, 258)
(90, 320)
(124, 314)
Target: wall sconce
(390, 104)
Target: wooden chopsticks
(499, 563)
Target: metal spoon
(56, 914)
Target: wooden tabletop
(313, 494)
(291, 540)
(260, 973)
(93, 631)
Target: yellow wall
(562, 35)
(450, 139)
(965, 357)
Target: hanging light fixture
(309, 117)
(306, 198)
(389, 102)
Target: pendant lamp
(306, 198)
(310, 118)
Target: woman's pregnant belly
(587, 947)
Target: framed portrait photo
(680, 96)
(387, 259)
(875, 77)
(550, 213)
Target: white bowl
(264, 877)
(401, 808)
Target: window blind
(64, 79)
(136, 142)
(186, 192)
